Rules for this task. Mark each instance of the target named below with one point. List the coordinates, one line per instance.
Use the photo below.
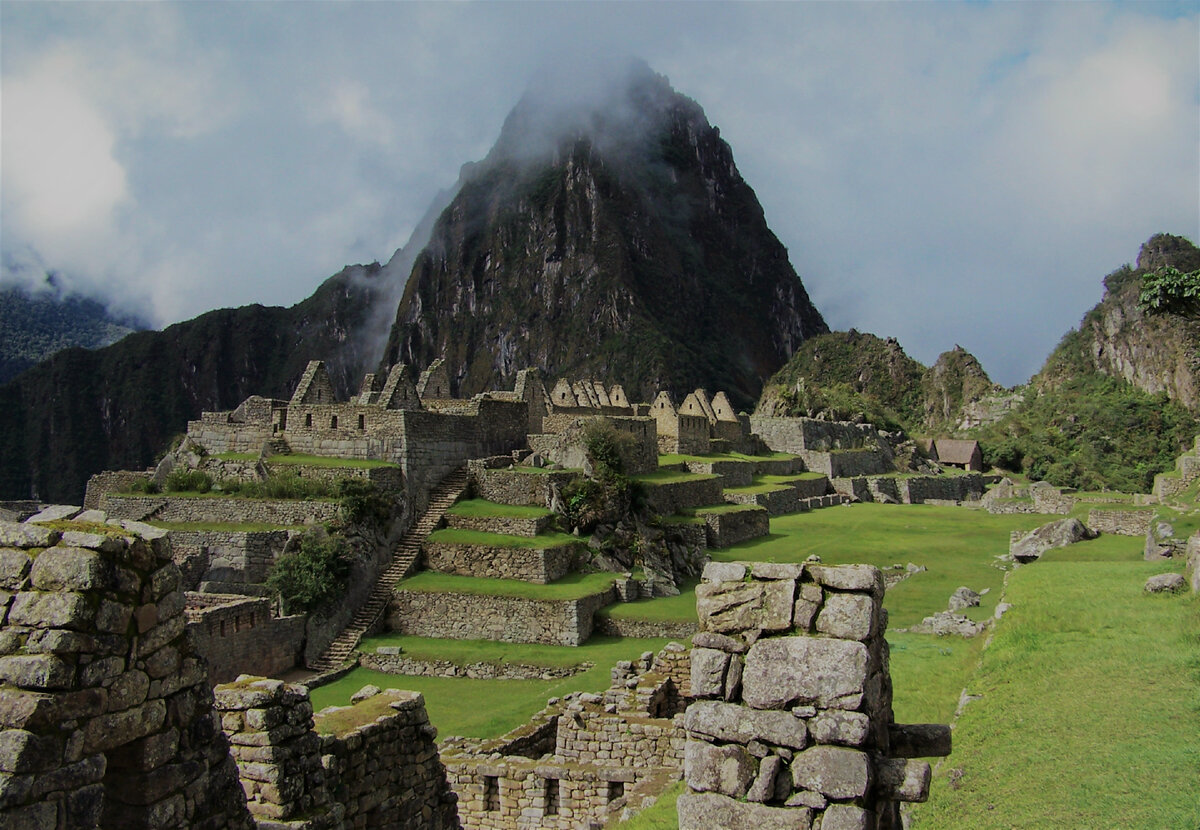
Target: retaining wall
(240, 632)
(671, 497)
(537, 565)
(511, 525)
(219, 510)
(516, 487)
(730, 527)
(1120, 522)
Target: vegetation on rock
(313, 576)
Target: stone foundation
(728, 527)
(536, 565)
(282, 512)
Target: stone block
(13, 535)
(22, 751)
(835, 726)
(733, 677)
(848, 616)
(919, 740)
(849, 577)
(900, 779)
(803, 614)
(724, 572)
(14, 569)
(708, 672)
(721, 642)
(762, 789)
(738, 724)
(725, 769)
(833, 771)
(847, 817)
(709, 811)
(51, 610)
(783, 671)
(734, 607)
(111, 730)
(777, 570)
(37, 671)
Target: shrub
(188, 481)
(1170, 290)
(145, 485)
(607, 449)
(285, 485)
(362, 503)
(312, 577)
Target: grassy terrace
(454, 703)
(671, 477)
(462, 536)
(675, 458)
(298, 460)
(789, 479)
(482, 508)
(680, 608)
(569, 587)
(216, 527)
(696, 512)
(755, 489)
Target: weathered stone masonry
(794, 726)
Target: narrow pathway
(404, 558)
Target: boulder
(706, 811)
(806, 670)
(1161, 542)
(964, 597)
(725, 769)
(947, 622)
(734, 607)
(1169, 583)
(1032, 545)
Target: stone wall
(241, 632)
(777, 502)
(537, 565)
(506, 619)
(228, 556)
(1120, 522)
(111, 481)
(617, 627)
(516, 486)
(511, 525)
(283, 512)
(792, 435)
(396, 663)
(105, 706)
(732, 526)
(1192, 563)
(1051, 500)
(670, 497)
(847, 462)
(793, 726)
(375, 765)
(917, 489)
(736, 473)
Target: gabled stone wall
(241, 632)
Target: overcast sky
(941, 173)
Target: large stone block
(708, 672)
(833, 771)
(709, 811)
(14, 568)
(37, 671)
(13, 535)
(849, 577)
(786, 670)
(730, 722)
(898, 779)
(834, 726)
(727, 769)
(848, 616)
(51, 610)
(734, 607)
(847, 817)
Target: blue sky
(942, 173)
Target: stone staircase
(404, 559)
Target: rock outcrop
(1030, 546)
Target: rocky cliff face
(955, 381)
(1157, 352)
(116, 408)
(613, 238)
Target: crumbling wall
(241, 632)
(106, 708)
(794, 726)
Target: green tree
(1169, 290)
(313, 576)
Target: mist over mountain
(607, 233)
(37, 323)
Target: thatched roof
(952, 451)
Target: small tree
(1169, 290)
(361, 503)
(313, 576)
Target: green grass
(756, 489)
(681, 608)
(569, 587)
(599, 650)
(1089, 715)
(328, 461)
(719, 509)
(661, 815)
(482, 508)
(237, 527)
(670, 459)
(463, 536)
(671, 477)
(770, 479)
(455, 703)
(958, 547)
(928, 673)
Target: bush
(188, 481)
(285, 485)
(607, 449)
(1169, 290)
(314, 576)
(362, 503)
(145, 485)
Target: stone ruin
(106, 709)
(793, 724)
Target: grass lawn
(719, 508)
(957, 546)
(768, 479)
(756, 489)
(488, 708)
(675, 458)
(681, 608)
(569, 587)
(1090, 709)
(463, 536)
(599, 649)
(484, 508)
